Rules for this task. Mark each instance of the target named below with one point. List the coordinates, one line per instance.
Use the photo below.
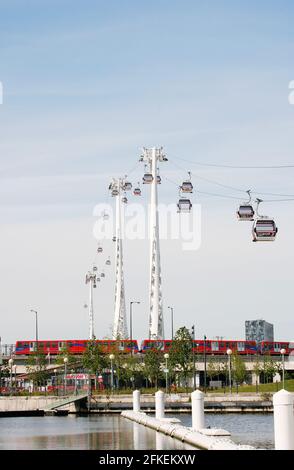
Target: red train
(73, 346)
(215, 347)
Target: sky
(86, 85)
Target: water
(107, 432)
(253, 429)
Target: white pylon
(156, 324)
(91, 279)
(120, 329)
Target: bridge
(66, 401)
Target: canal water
(111, 432)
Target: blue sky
(86, 85)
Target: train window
(54, 345)
(240, 346)
(214, 346)
(277, 347)
(227, 344)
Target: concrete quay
(174, 403)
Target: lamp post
(193, 352)
(166, 356)
(283, 352)
(111, 357)
(10, 363)
(55, 380)
(36, 313)
(65, 360)
(229, 353)
(131, 322)
(204, 364)
(172, 321)
(14, 370)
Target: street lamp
(166, 356)
(229, 353)
(131, 322)
(10, 363)
(172, 321)
(14, 370)
(204, 364)
(65, 360)
(283, 352)
(111, 357)
(55, 379)
(36, 313)
(193, 353)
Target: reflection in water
(87, 432)
(108, 432)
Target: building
(259, 330)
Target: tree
(257, 369)
(93, 358)
(65, 353)
(181, 354)
(213, 369)
(239, 371)
(37, 368)
(269, 367)
(152, 370)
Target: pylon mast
(91, 280)
(156, 324)
(120, 329)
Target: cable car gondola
(127, 186)
(125, 199)
(264, 228)
(147, 178)
(184, 205)
(245, 210)
(187, 186)
(102, 274)
(108, 262)
(114, 192)
(137, 190)
(99, 249)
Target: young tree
(239, 371)
(37, 368)
(213, 369)
(269, 367)
(65, 353)
(181, 354)
(152, 370)
(257, 369)
(93, 358)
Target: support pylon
(120, 329)
(156, 324)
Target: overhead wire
(253, 167)
(233, 188)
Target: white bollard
(159, 405)
(198, 421)
(136, 401)
(283, 420)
